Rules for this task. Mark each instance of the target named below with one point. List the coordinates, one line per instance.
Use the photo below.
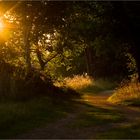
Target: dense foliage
(64, 38)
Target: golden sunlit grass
(76, 82)
(86, 84)
(129, 92)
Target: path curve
(60, 129)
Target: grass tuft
(85, 83)
(79, 82)
(128, 94)
(76, 82)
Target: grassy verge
(131, 131)
(128, 94)
(77, 82)
(99, 85)
(19, 117)
(95, 116)
(84, 83)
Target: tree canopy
(64, 38)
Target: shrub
(15, 84)
(127, 91)
(76, 82)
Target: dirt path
(76, 126)
(131, 113)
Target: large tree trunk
(27, 48)
(39, 56)
(26, 31)
(43, 63)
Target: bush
(76, 82)
(15, 84)
(127, 91)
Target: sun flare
(1, 26)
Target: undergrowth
(17, 84)
(85, 83)
(30, 100)
(127, 93)
(76, 82)
(19, 117)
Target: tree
(65, 31)
(93, 25)
(37, 20)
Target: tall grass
(79, 82)
(76, 82)
(126, 92)
(85, 83)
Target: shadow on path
(93, 117)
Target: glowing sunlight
(1, 26)
(4, 30)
